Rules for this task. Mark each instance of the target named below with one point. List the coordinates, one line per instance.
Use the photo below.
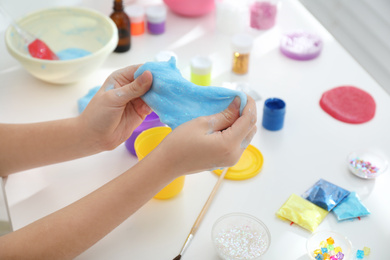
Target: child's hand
(117, 109)
(208, 142)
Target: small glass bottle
(242, 45)
(122, 22)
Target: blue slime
(176, 100)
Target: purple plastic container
(156, 28)
(152, 120)
(156, 16)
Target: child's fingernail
(236, 103)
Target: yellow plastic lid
(248, 166)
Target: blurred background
(361, 26)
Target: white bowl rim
(77, 8)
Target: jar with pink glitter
(263, 13)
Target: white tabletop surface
(312, 145)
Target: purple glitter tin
(152, 120)
(301, 45)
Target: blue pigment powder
(72, 53)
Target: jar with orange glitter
(242, 45)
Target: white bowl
(240, 236)
(62, 28)
(366, 164)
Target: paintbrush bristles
(177, 257)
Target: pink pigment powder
(263, 15)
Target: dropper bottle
(122, 22)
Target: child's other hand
(208, 142)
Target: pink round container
(190, 8)
(152, 120)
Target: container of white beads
(240, 236)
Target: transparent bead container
(240, 236)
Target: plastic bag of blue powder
(350, 207)
(325, 194)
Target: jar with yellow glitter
(242, 45)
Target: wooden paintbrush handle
(208, 202)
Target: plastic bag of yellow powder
(302, 212)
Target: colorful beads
(364, 167)
(328, 251)
(361, 253)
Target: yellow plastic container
(201, 80)
(201, 70)
(144, 144)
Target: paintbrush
(201, 215)
(36, 47)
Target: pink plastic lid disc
(301, 45)
(348, 104)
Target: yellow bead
(317, 251)
(337, 249)
(323, 244)
(366, 250)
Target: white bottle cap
(135, 12)
(201, 65)
(242, 43)
(156, 13)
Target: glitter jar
(263, 14)
(240, 236)
(156, 16)
(301, 45)
(137, 19)
(242, 45)
(201, 71)
(151, 120)
(144, 144)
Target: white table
(312, 145)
